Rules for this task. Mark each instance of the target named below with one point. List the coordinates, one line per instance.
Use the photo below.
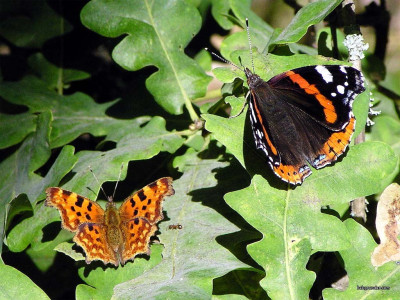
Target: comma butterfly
(115, 235)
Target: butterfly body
(114, 230)
(115, 235)
(303, 117)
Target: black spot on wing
(153, 184)
(89, 207)
(141, 195)
(67, 193)
(133, 203)
(79, 201)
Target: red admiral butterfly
(303, 116)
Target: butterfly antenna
(249, 39)
(101, 187)
(119, 177)
(223, 59)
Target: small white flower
(355, 44)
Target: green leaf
(32, 23)
(33, 186)
(292, 227)
(366, 169)
(52, 75)
(139, 144)
(66, 248)
(18, 168)
(73, 115)
(103, 280)
(43, 255)
(307, 16)
(357, 261)
(220, 12)
(14, 128)
(260, 32)
(192, 258)
(15, 284)
(152, 39)
(387, 129)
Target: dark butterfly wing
(295, 122)
(325, 93)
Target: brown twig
(358, 206)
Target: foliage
(68, 104)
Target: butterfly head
(110, 202)
(253, 80)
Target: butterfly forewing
(74, 209)
(147, 202)
(325, 93)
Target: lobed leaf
(152, 39)
(293, 228)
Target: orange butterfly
(114, 235)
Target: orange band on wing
(292, 174)
(329, 109)
(337, 144)
(273, 149)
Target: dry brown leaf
(388, 226)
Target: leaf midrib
(164, 48)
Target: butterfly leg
(242, 109)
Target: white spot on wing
(343, 69)
(340, 89)
(326, 75)
(333, 94)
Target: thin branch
(358, 206)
